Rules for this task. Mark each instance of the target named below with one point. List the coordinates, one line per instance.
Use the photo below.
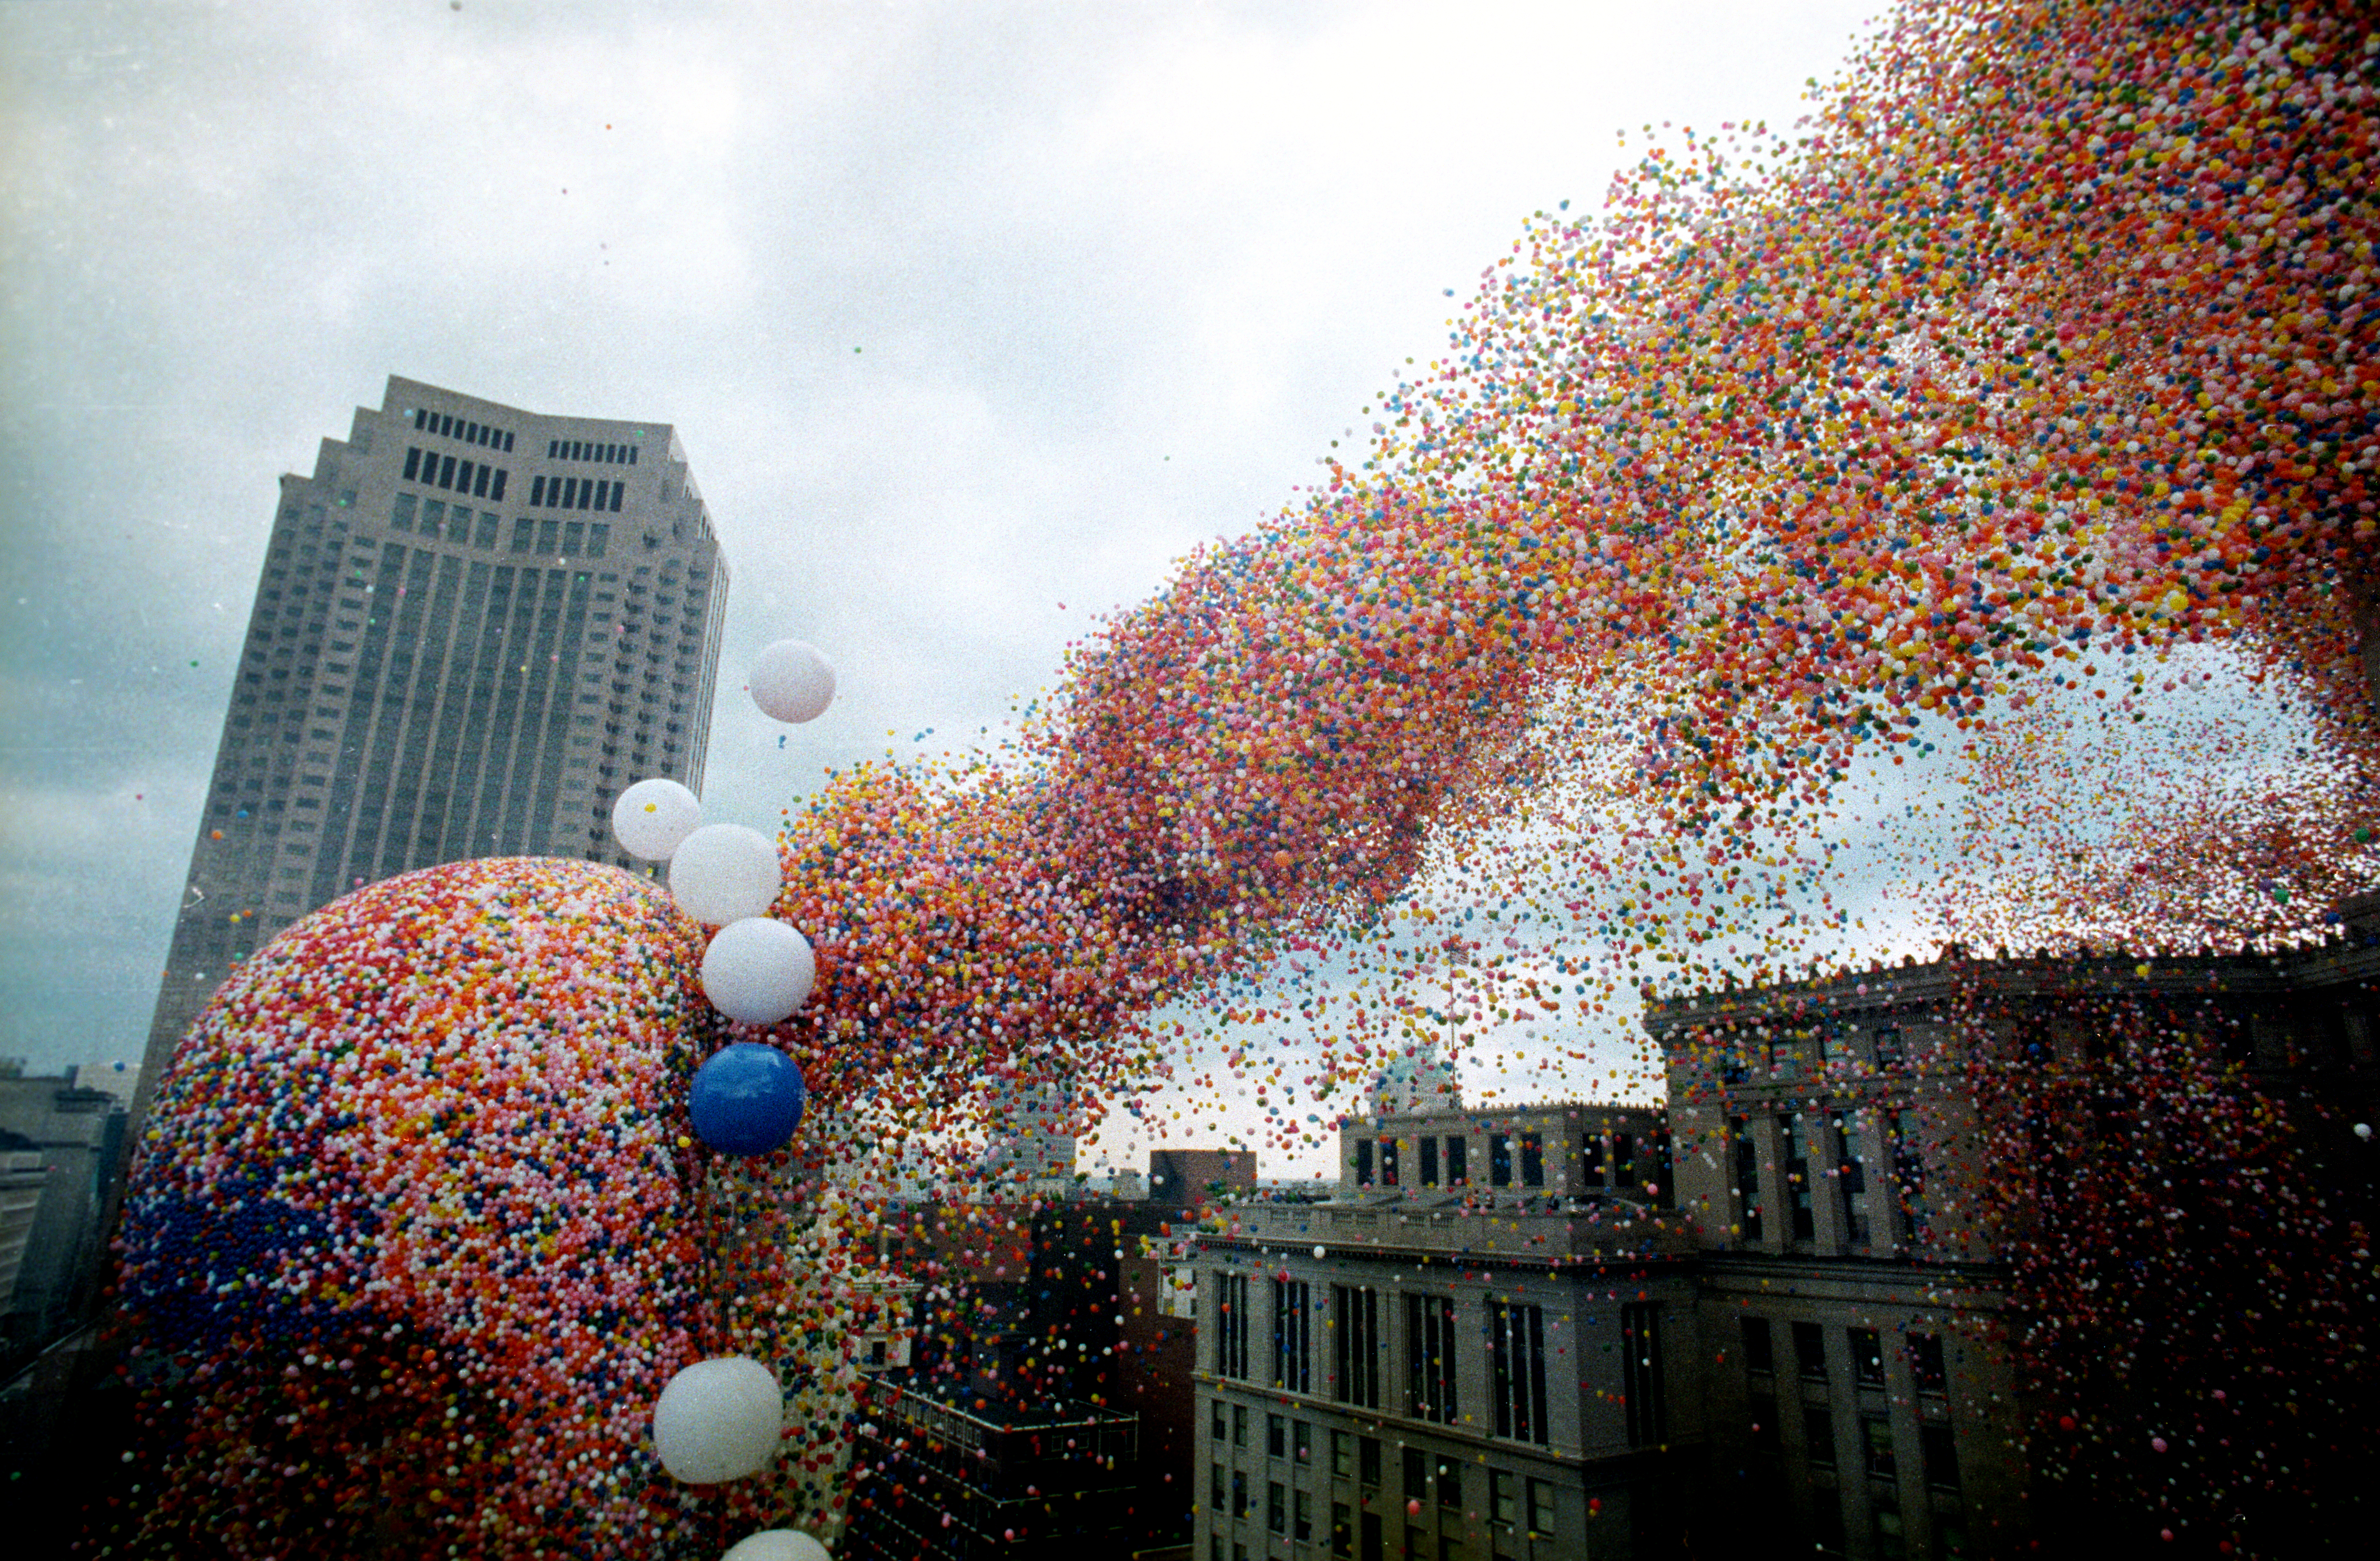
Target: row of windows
(1444, 1161)
(576, 494)
(1924, 1353)
(433, 470)
(1842, 1138)
(447, 426)
(550, 538)
(1428, 1476)
(586, 450)
(1787, 1054)
(1516, 1340)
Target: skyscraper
(474, 626)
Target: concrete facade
(1775, 1312)
(61, 1145)
(475, 625)
(1482, 1363)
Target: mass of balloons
(2032, 376)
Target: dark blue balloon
(748, 1099)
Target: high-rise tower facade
(474, 626)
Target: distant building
(61, 1145)
(1418, 1080)
(473, 625)
(1055, 1299)
(1555, 1331)
(1032, 1147)
(1469, 1351)
(1187, 1177)
(951, 1471)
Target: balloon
(719, 1420)
(757, 970)
(776, 1544)
(653, 817)
(792, 681)
(747, 1099)
(1321, 1251)
(724, 872)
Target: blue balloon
(748, 1099)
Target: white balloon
(776, 1544)
(653, 817)
(792, 681)
(757, 970)
(724, 872)
(719, 1420)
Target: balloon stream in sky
(1996, 445)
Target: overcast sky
(972, 317)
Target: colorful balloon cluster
(2042, 351)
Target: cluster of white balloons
(757, 970)
(724, 1419)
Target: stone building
(1466, 1353)
(1774, 1313)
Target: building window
(1220, 1425)
(1456, 1175)
(1239, 1493)
(1387, 1162)
(1925, 1363)
(1797, 1176)
(1276, 1436)
(1416, 1475)
(1429, 1357)
(1500, 1160)
(1940, 1451)
(1504, 1497)
(1343, 1530)
(1302, 1528)
(400, 515)
(1867, 1357)
(1343, 1455)
(1826, 1517)
(1215, 1493)
(1595, 1158)
(1810, 1351)
(1232, 1325)
(1355, 1344)
(1449, 1483)
(1851, 1176)
(1363, 1162)
(1301, 1441)
(1367, 1461)
(1541, 1509)
(1907, 1174)
(1516, 1343)
(1747, 1176)
(1889, 1051)
(1877, 1432)
(1292, 1336)
(1276, 1506)
(1429, 1160)
(1759, 1350)
(1819, 1436)
(1239, 1425)
(1639, 1333)
(1533, 1160)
